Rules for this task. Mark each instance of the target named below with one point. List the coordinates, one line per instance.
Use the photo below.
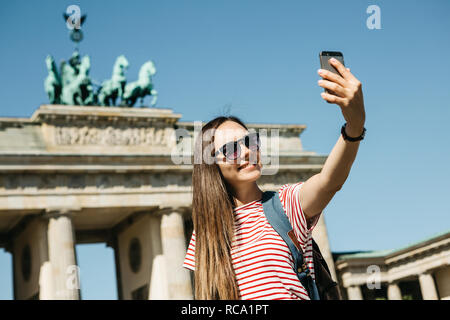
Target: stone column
(159, 288)
(354, 293)
(46, 290)
(174, 251)
(441, 277)
(29, 247)
(320, 235)
(427, 286)
(394, 292)
(61, 251)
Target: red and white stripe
(261, 259)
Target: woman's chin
(252, 173)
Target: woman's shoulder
(289, 188)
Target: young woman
(234, 251)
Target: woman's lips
(247, 166)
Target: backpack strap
(274, 212)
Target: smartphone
(324, 56)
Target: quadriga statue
(52, 83)
(73, 85)
(113, 88)
(141, 87)
(77, 88)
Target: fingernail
(333, 60)
(320, 71)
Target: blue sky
(259, 60)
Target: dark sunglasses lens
(231, 151)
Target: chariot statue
(72, 84)
(113, 88)
(52, 83)
(142, 87)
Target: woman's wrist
(354, 131)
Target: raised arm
(319, 189)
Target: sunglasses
(232, 150)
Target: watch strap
(346, 137)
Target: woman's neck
(246, 193)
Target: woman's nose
(247, 155)
(244, 150)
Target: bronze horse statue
(142, 87)
(113, 88)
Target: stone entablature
(100, 130)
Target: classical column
(61, 251)
(46, 290)
(354, 293)
(159, 288)
(441, 278)
(320, 235)
(174, 251)
(427, 286)
(29, 247)
(394, 292)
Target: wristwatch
(346, 137)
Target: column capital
(55, 212)
(183, 210)
(426, 272)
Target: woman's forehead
(228, 132)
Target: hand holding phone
(324, 57)
(348, 96)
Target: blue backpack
(274, 212)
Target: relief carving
(114, 136)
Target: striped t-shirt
(262, 262)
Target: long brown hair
(213, 218)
